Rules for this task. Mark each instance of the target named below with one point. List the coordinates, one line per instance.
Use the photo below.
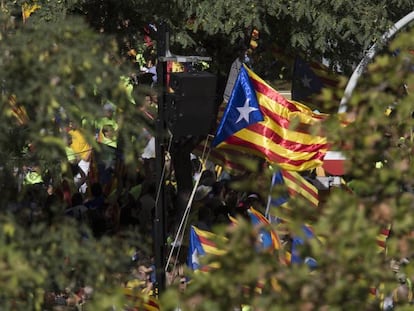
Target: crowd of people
(89, 193)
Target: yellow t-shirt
(79, 145)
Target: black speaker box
(195, 83)
(190, 115)
(191, 109)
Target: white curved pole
(368, 57)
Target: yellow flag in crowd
(17, 111)
(29, 9)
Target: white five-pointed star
(261, 240)
(306, 81)
(245, 111)
(194, 257)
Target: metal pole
(160, 239)
(368, 58)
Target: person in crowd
(108, 135)
(403, 293)
(208, 178)
(150, 68)
(74, 176)
(78, 209)
(205, 218)
(148, 112)
(112, 216)
(147, 207)
(107, 119)
(97, 198)
(96, 210)
(107, 153)
(34, 192)
(141, 279)
(176, 269)
(83, 150)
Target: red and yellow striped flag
(17, 111)
(260, 121)
(29, 9)
(202, 243)
(297, 186)
(139, 301)
(268, 237)
(382, 238)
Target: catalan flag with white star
(260, 121)
(201, 243)
(309, 80)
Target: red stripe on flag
(288, 175)
(385, 231)
(290, 145)
(274, 157)
(286, 123)
(381, 243)
(204, 241)
(302, 185)
(274, 95)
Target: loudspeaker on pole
(191, 108)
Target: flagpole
(269, 198)
(180, 231)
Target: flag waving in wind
(201, 244)
(298, 186)
(295, 187)
(268, 237)
(309, 79)
(260, 121)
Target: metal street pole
(369, 57)
(160, 238)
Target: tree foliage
(54, 71)
(70, 55)
(332, 29)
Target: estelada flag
(201, 243)
(309, 79)
(260, 121)
(268, 237)
(296, 186)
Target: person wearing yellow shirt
(79, 144)
(73, 159)
(82, 150)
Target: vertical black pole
(160, 141)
